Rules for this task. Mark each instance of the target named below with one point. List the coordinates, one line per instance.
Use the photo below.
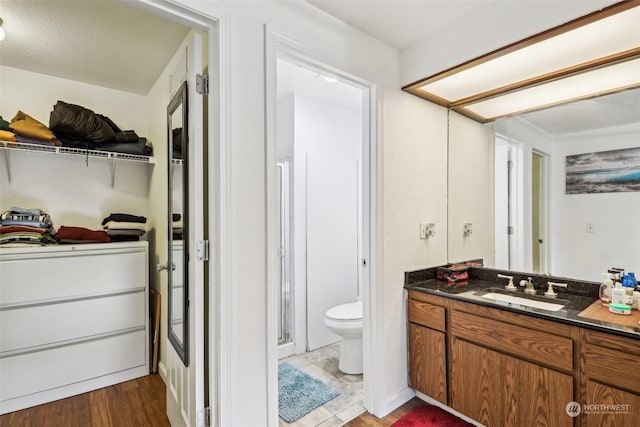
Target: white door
(185, 384)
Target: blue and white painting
(603, 172)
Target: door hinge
(203, 418)
(509, 164)
(509, 229)
(202, 84)
(202, 250)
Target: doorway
(538, 213)
(322, 130)
(520, 206)
(319, 155)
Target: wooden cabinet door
(499, 390)
(427, 362)
(606, 406)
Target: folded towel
(25, 125)
(20, 138)
(6, 135)
(124, 232)
(81, 235)
(122, 217)
(21, 229)
(117, 225)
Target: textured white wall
(471, 152)
(414, 190)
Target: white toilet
(346, 320)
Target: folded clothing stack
(124, 227)
(81, 235)
(27, 129)
(23, 227)
(176, 226)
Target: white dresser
(73, 318)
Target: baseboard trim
(434, 402)
(394, 402)
(162, 370)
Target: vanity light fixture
(592, 55)
(1, 30)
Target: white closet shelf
(80, 152)
(10, 146)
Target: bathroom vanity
(506, 364)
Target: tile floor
(323, 364)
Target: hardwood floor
(136, 403)
(368, 420)
(140, 402)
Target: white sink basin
(514, 301)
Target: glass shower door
(285, 249)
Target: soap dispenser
(605, 288)
(618, 294)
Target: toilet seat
(350, 311)
(346, 321)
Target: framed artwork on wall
(611, 171)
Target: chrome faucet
(550, 292)
(528, 286)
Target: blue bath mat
(299, 393)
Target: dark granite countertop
(578, 296)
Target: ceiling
(127, 48)
(401, 23)
(617, 109)
(104, 43)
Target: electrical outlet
(467, 229)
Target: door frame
(216, 309)
(544, 211)
(278, 46)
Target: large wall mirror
(178, 254)
(553, 191)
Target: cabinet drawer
(44, 370)
(544, 348)
(38, 325)
(611, 367)
(68, 275)
(628, 345)
(426, 314)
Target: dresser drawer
(38, 325)
(56, 367)
(63, 275)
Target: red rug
(429, 416)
